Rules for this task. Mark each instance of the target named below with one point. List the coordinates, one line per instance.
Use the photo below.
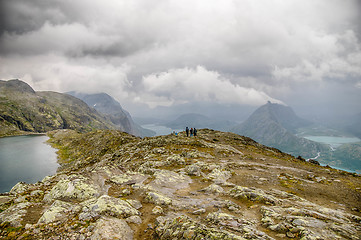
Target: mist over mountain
(274, 125)
(354, 126)
(107, 105)
(22, 110)
(196, 120)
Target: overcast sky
(169, 52)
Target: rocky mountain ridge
(112, 185)
(111, 108)
(275, 125)
(24, 111)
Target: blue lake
(25, 158)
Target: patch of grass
(353, 185)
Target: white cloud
(185, 85)
(256, 49)
(50, 72)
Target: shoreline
(24, 134)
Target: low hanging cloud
(168, 52)
(50, 72)
(178, 86)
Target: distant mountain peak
(274, 125)
(282, 114)
(106, 104)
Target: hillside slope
(274, 125)
(108, 106)
(22, 110)
(217, 186)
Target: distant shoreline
(24, 134)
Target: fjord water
(333, 141)
(25, 158)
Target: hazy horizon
(161, 58)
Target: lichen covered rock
(252, 194)
(170, 187)
(19, 188)
(157, 199)
(76, 189)
(183, 227)
(219, 175)
(55, 212)
(107, 206)
(168, 181)
(111, 228)
(15, 214)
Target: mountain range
(112, 109)
(23, 110)
(275, 125)
(196, 120)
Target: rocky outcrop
(217, 186)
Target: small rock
(125, 192)
(135, 203)
(29, 226)
(20, 187)
(219, 175)
(157, 210)
(134, 219)
(193, 170)
(158, 199)
(213, 188)
(36, 193)
(320, 179)
(111, 228)
(281, 235)
(199, 211)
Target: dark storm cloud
(143, 51)
(22, 16)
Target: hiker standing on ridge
(195, 132)
(191, 132)
(187, 131)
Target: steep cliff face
(22, 110)
(112, 185)
(274, 125)
(108, 106)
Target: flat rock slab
(168, 182)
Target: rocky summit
(217, 185)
